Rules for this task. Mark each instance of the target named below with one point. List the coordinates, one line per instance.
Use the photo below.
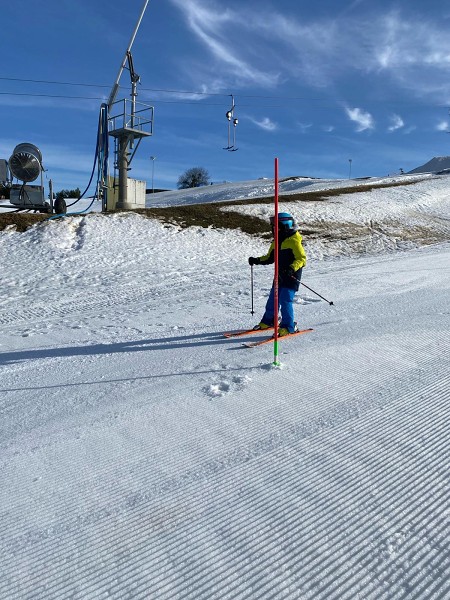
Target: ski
(272, 339)
(232, 334)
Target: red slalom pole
(276, 360)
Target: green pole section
(276, 360)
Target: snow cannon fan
(25, 164)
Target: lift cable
(191, 93)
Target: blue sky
(315, 83)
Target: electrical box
(135, 194)
(3, 170)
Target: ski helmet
(285, 221)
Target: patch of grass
(212, 215)
(21, 221)
(207, 215)
(334, 230)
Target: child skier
(291, 260)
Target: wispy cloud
(304, 127)
(363, 120)
(322, 49)
(413, 53)
(265, 124)
(210, 23)
(404, 43)
(401, 48)
(396, 123)
(442, 126)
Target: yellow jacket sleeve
(295, 244)
(291, 253)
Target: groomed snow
(145, 456)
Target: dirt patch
(21, 221)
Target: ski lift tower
(129, 122)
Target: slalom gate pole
(276, 360)
(251, 281)
(330, 302)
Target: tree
(76, 193)
(192, 178)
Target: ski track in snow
(144, 456)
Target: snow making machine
(25, 164)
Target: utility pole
(153, 158)
(350, 169)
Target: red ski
(272, 339)
(232, 334)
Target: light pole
(152, 158)
(350, 169)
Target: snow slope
(145, 456)
(260, 188)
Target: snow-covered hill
(145, 456)
(435, 165)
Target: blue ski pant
(285, 300)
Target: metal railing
(134, 116)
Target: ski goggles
(289, 221)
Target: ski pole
(330, 302)
(251, 280)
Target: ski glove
(288, 273)
(253, 261)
